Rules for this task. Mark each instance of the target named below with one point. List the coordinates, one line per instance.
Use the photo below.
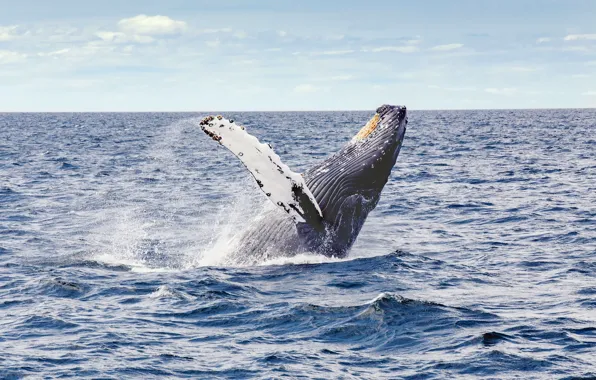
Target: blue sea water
(479, 261)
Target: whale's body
(324, 209)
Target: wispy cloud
(508, 91)
(151, 25)
(447, 47)
(8, 33)
(589, 93)
(333, 52)
(542, 40)
(240, 34)
(215, 30)
(123, 38)
(519, 69)
(306, 88)
(399, 49)
(578, 37)
(7, 56)
(583, 49)
(342, 77)
(54, 53)
(452, 89)
(414, 41)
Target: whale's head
(372, 152)
(348, 185)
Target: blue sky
(182, 55)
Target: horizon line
(315, 110)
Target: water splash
(162, 233)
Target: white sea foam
(303, 258)
(167, 235)
(164, 291)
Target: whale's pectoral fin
(283, 187)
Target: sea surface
(479, 261)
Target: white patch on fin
(283, 187)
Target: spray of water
(162, 220)
(159, 220)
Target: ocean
(478, 262)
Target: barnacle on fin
(211, 134)
(206, 120)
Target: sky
(241, 55)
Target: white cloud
(452, 89)
(579, 76)
(342, 77)
(399, 49)
(407, 75)
(212, 31)
(589, 93)
(54, 53)
(514, 69)
(241, 34)
(577, 37)
(143, 29)
(334, 52)
(543, 40)
(246, 62)
(7, 33)
(151, 25)
(414, 41)
(93, 47)
(577, 48)
(282, 33)
(501, 91)
(522, 69)
(7, 56)
(123, 38)
(306, 88)
(447, 47)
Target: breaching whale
(323, 209)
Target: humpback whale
(323, 209)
